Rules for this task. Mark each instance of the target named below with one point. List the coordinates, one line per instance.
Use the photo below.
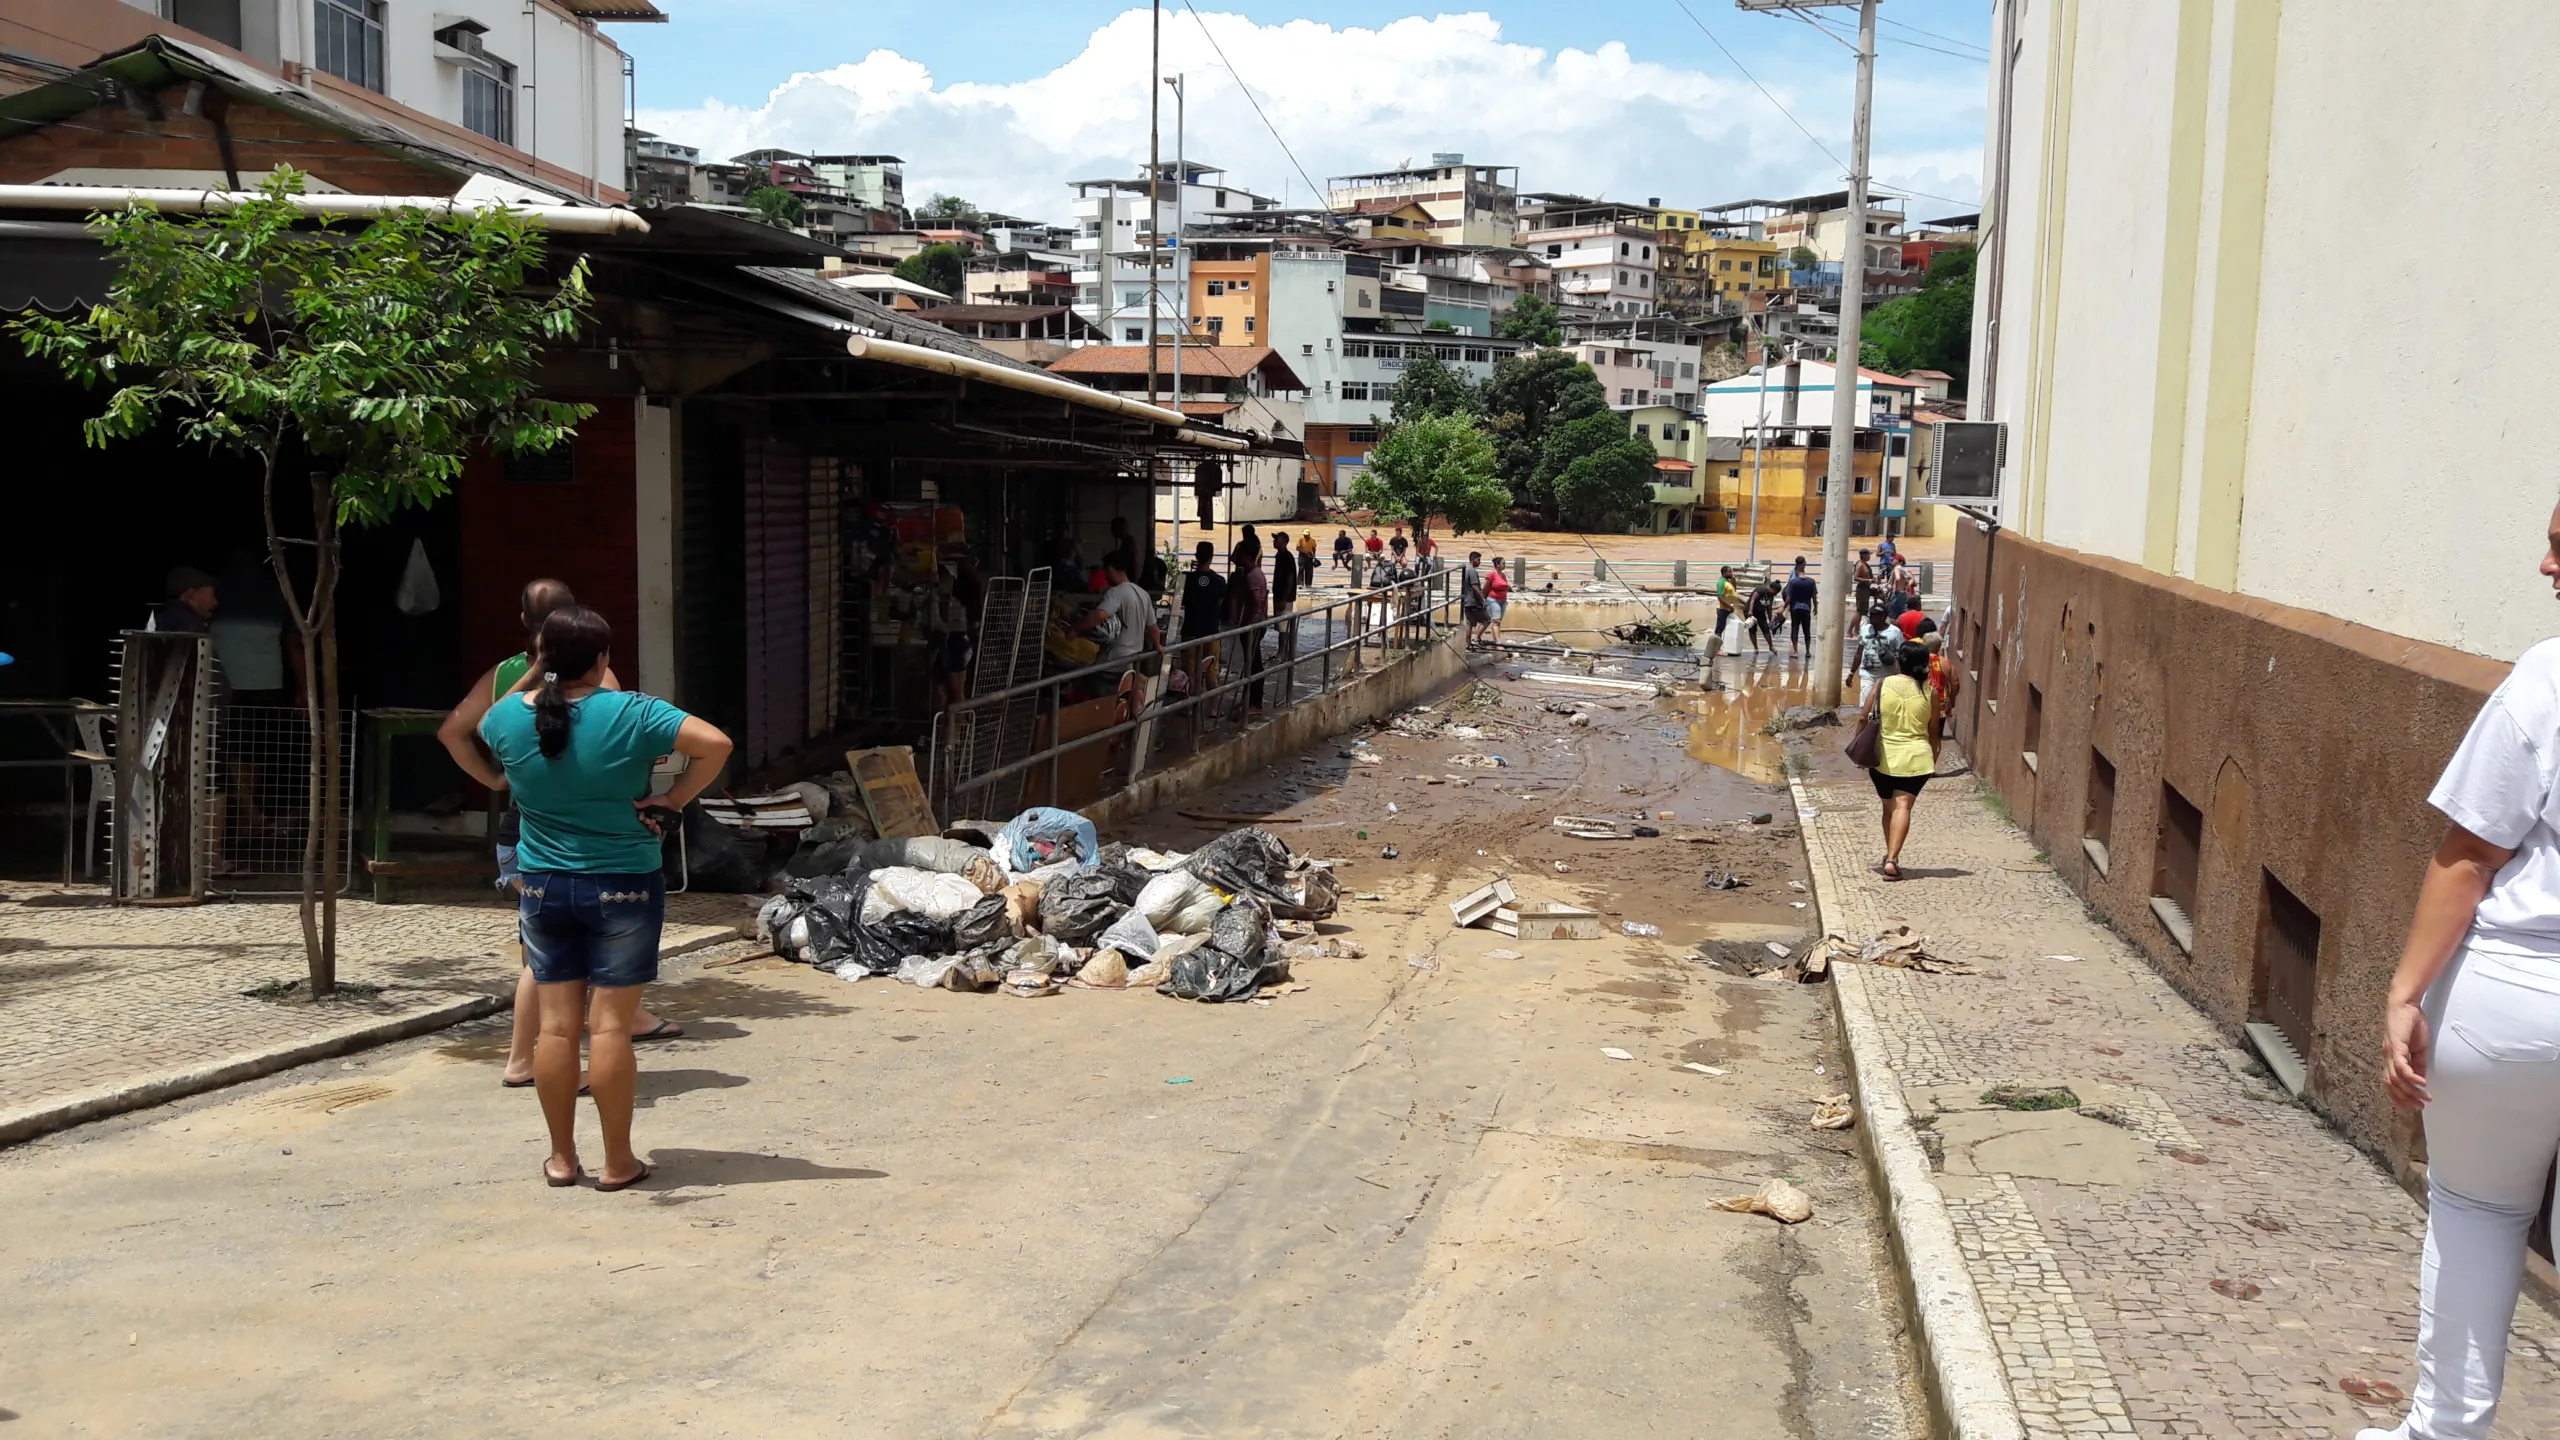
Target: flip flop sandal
(667, 1030)
(556, 1183)
(1892, 871)
(609, 1186)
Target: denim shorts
(602, 929)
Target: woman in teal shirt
(594, 898)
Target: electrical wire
(1755, 82)
(1215, 48)
(1848, 40)
(1934, 35)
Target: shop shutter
(777, 555)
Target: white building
(1114, 235)
(1605, 256)
(533, 88)
(874, 182)
(1799, 396)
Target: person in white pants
(2471, 1035)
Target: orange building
(1231, 299)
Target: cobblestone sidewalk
(2189, 1252)
(95, 997)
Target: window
(1724, 264)
(1733, 472)
(1248, 324)
(1239, 286)
(1648, 252)
(1622, 249)
(1328, 287)
(1861, 485)
(1368, 300)
(489, 101)
(1479, 354)
(1355, 349)
(1645, 432)
(1361, 435)
(1132, 332)
(1217, 325)
(1222, 199)
(346, 40)
(1622, 277)
(1306, 349)
(1217, 287)
(2287, 967)
(1688, 370)
(214, 19)
(2175, 860)
(2099, 814)
(2034, 728)
(1626, 397)
(1644, 282)
(1355, 390)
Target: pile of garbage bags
(1044, 906)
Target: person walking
(1248, 602)
(1471, 598)
(1306, 559)
(577, 757)
(1864, 577)
(1906, 748)
(1728, 602)
(1497, 598)
(460, 733)
(1204, 614)
(1876, 655)
(1800, 596)
(2471, 1040)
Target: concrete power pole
(1831, 607)
(1155, 185)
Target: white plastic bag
(937, 897)
(1179, 903)
(926, 972)
(1131, 935)
(417, 594)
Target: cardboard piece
(891, 792)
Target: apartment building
(1115, 235)
(1642, 362)
(1465, 204)
(874, 182)
(1605, 255)
(535, 90)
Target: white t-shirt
(2503, 785)
(1129, 605)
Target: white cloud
(1597, 121)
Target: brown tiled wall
(2309, 743)
(114, 137)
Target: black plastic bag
(1080, 905)
(1252, 861)
(1127, 875)
(725, 859)
(1230, 966)
(989, 922)
(880, 947)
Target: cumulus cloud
(1595, 122)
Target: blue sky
(1626, 98)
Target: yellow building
(1725, 266)
(1231, 299)
(1793, 479)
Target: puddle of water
(1726, 726)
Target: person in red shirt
(1377, 547)
(1914, 623)
(1497, 596)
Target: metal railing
(1271, 665)
(1935, 578)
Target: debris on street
(1778, 1200)
(1896, 946)
(1614, 1053)
(1833, 1112)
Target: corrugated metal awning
(52, 265)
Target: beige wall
(2192, 381)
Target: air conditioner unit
(1965, 459)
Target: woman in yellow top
(1906, 748)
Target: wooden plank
(890, 790)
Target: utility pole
(1155, 181)
(1831, 607)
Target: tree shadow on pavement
(710, 996)
(679, 1168)
(657, 1085)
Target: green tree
(1607, 486)
(946, 207)
(1802, 258)
(775, 206)
(942, 267)
(1429, 387)
(1438, 465)
(372, 355)
(1530, 318)
(1932, 330)
(1528, 395)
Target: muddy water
(1728, 726)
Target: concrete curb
(63, 1111)
(1959, 1366)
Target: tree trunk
(305, 624)
(321, 835)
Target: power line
(1845, 40)
(1755, 82)
(1934, 35)
(1313, 188)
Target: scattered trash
(1332, 948)
(1778, 1200)
(1796, 885)
(1896, 946)
(1179, 1080)
(1638, 928)
(1389, 853)
(1392, 808)
(1362, 757)
(1763, 818)
(1243, 950)
(1549, 921)
(1614, 1053)
(2378, 1392)
(2067, 959)
(1563, 869)
(1781, 951)
(1550, 677)
(1725, 880)
(1477, 906)
(1478, 762)
(1041, 835)
(1820, 1070)
(1581, 720)
(1702, 1069)
(1107, 970)
(1662, 814)
(1462, 732)
(1502, 954)
(1423, 962)
(1368, 895)
(1833, 1112)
